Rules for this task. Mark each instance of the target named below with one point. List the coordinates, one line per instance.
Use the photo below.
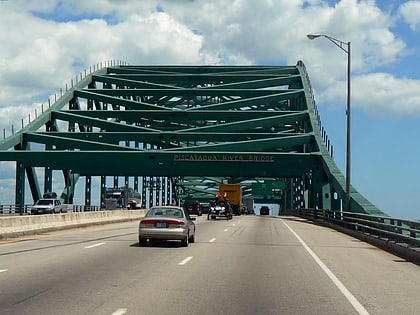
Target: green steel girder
(97, 96)
(162, 163)
(186, 93)
(69, 143)
(235, 71)
(161, 138)
(231, 141)
(196, 115)
(223, 81)
(267, 99)
(195, 126)
(99, 123)
(277, 122)
(293, 143)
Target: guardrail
(26, 209)
(399, 231)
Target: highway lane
(250, 265)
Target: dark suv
(193, 207)
(264, 210)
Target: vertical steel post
(348, 112)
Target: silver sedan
(167, 223)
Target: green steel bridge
(172, 132)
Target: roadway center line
(95, 245)
(212, 240)
(3, 270)
(349, 296)
(185, 261)
(226, 230)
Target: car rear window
(44, 202)
(165, 212)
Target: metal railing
(57, 95)
(26, 209)
(396, 230)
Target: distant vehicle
(233, 194)
(205, 207)
(220, 209)
(193, 207)
(245, 210)
(264, 210)
(167, 223)
(44, 206)
(248, 206)
(122, 197)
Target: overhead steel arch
(182, 130)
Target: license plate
(161, 225)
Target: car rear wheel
(192, 238)
(185, 241)
(142, 241)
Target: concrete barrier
(15, 226)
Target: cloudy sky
(46, 43)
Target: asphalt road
(249, 265)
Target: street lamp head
(313, 36)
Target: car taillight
(175, 223)
(147, 223)
(151, 223)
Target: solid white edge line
(183, 262)
(95, 245)
(349, 296)
(120, 311)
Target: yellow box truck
(233, 194)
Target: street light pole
(346, 48)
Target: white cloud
(410, 12)
(43, 54)
(377, 93)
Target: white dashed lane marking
(186, 260)
(95, 245)
(120, 311)
(212, 240)
(3, 270)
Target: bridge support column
(68, 192)
(317, 190)
(288, 194)
(326, 196)
(33, 182)
(88, 190)
(47, 180)
(335, 200)
(20, 186)
(103, 191)
(143, 192)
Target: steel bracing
(178, 131)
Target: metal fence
(400, 231)
(26, 209)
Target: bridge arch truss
(177, 131)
